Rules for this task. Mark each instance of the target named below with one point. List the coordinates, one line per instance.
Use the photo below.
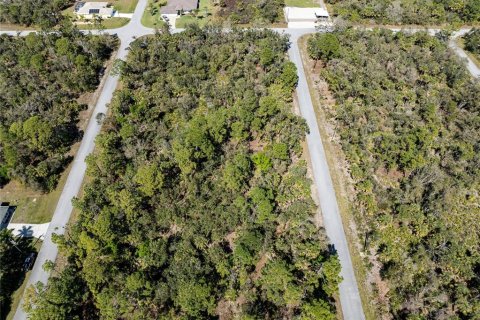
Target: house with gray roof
(179, 7)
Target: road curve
(471, 66)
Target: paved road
(471, 66)
(349, 294)
(72, 186)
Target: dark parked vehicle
(29, 261)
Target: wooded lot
(44, 13)
(421, 12)
(407, 113)
(41, 77)
(198, 205)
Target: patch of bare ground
(256, 145)
(231, 239)
(373, 289)
(375, 278)
(228, 309)
(260, 265)
(388, 178)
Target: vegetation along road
(349, 295)
(49, 250)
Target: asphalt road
(471, 66)
(349, 294)
(64, 207)
(72, 186)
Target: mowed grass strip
(202, 17)
(302, 3)
(112, 23)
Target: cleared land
(112, 23)
(302, 3)
(32, 206)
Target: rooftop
(99, 8)
(173, 6)
(305, 13)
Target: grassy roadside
(111, 23)
(15, 27)
(151, 17)
(302, 3)
(335, 157)
(123, 6)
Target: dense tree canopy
(41, 76)
(472, 41)
(13, 251)
(251, 11)
(45, 13)
(408, 117)
(422, 12)
(198, 205)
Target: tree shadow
(26, 232)
(13, 252)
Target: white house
(90, 10)
(305, 17)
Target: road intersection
(349, 293)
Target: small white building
(90, 10)
(305, 17)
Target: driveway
(29, 230)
